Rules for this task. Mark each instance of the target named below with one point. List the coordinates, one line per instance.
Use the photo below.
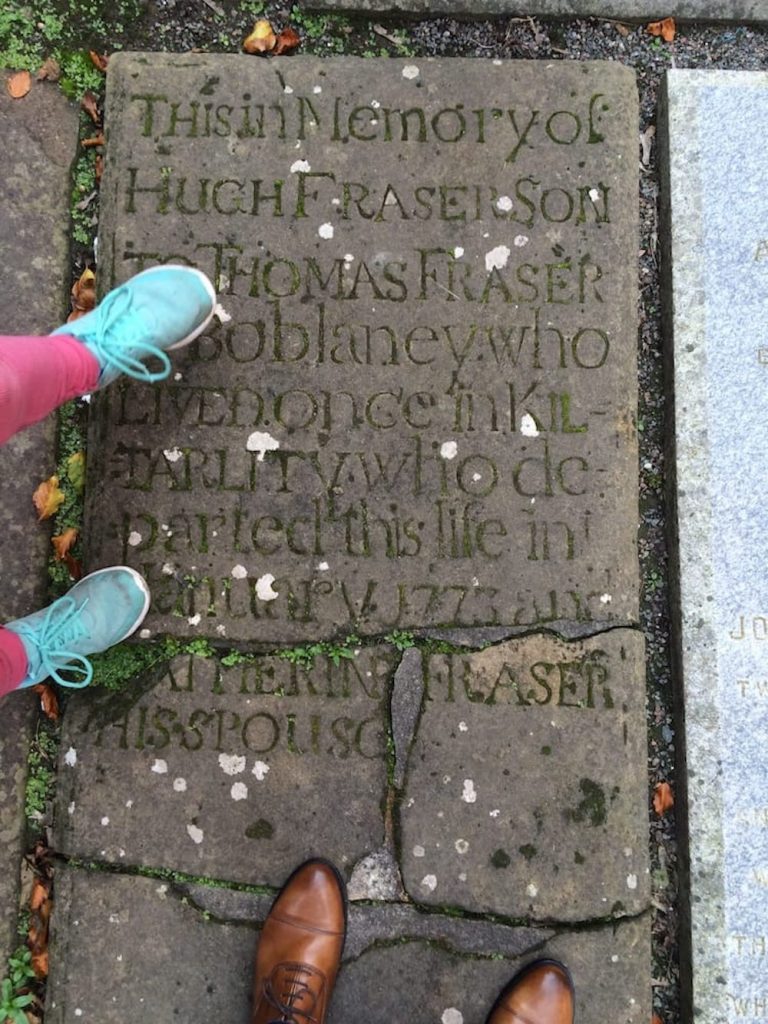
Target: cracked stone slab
(525, 786)
(716, 198)
(39, 136)
(111, 931)
(231, 772)
(418, 405)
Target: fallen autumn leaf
(62, 542)
(49, 702)
(90, 105)
(664, 28)
(49, 71)
(48, 497)
(663, 798)
(287, 40)
(99, 60)
(262, 38)
(18, 85)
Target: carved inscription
(417, 405)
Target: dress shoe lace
(119, 339)
(62, 626)
(294, 990)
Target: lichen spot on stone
(429, 882)
(261, 442)
(468, 794)
(325, 230)
(528, 426)
(497, 258)
(231, 764)
(410, 71)
(195, 834)
(300, 165)
(239, 572)
(448, 450)
(239, 791)
(264, 589)
(70, 758)
(452, 1016)
(159, 766)
(419, 851)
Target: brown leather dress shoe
(300, 947)
(540, 993)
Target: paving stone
(230, 772)
(111, 932)
(418, 408)
(629, 10)
(525, 789)
(717, 273)
(39, 136)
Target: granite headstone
(716, 179)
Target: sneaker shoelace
(62, 625)
(120, 339)
(295, 988)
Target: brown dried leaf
(40, 963)
(18, 85)
(94, 140)
(656, 1019)
(663, 798)
(49, 703)
(99, 60)
(74, 567)
(83, 295)
(664, 28)
(48, 497)
(40, 892)
(287, 40)
(262, 38)
(90, 105)
(62, 542)
(623, 30)
(49, 70)
(99, 169)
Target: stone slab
(716, 185)
(525, 790)
(39, 136)
(110, 933)
(229, 772)
(419, 407)
(627, 10)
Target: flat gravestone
(117, 942)
(39, 136)
(631, 10)
(717, 189)
(417, 406)
(525, 792)
(229, 771)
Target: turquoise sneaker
(98, 612)
(157, 310)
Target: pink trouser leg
(38, 374)
(13, 661)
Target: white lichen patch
(458, 252)
(463, 727)
(594, 194)
(429, 882)
(134, 538)
(605, 599)
(105, 820)
(180, 785)
(504, 203)
(194, 620)
(528, 426)
(323, 567)
(238, 572)
(221, 314)
(532, 890)
(168, 569)
(231, 764)
(452, 1016)
(448, 450)
(419, 851)
(497, 258)
(461, 846)
(631, 881)
(145, 634)
(494, 813)
(195, 834)
(317, 89)
(239, 791)
(71, 808)
(300, 165)
(410, 71)
(172, 454)
(287, 89)
(520, 241)
(261, 442)
(325, 230)
(260, 770)
(159, 766)
(468, 795)
(129, 804)
(221, 629)
(70, 758)
(264, 589)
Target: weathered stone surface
(111, 932)
(630, 10)
(230, 772)
(419, 407)
(525, 791)
(717, 273)
(39, 138)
